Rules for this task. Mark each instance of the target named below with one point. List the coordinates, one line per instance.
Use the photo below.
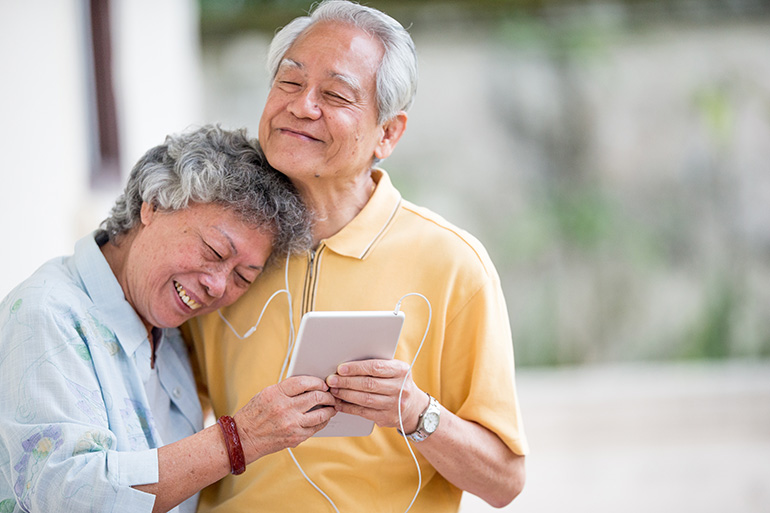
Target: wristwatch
(428, 421)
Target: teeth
(185, 298)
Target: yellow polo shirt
(390, 249)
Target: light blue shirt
(81, 411)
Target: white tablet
(327, 339)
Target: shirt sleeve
(478, 366)
(55, 436)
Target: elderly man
(343, 79)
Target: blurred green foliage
(219, 17)
(595, 267)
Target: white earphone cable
(251, 330)
(290, 346)
(401, 391)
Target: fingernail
(342, 369)
(332, 380)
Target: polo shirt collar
(103, 288)
(360, 235)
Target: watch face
(430, 422)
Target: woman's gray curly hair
(213, 165)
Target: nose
(215, 283)
(305, 104)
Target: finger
(314, 399)
(360, 411)
(363, 399)
(369, 384)
(297, 385)
(378, 368)
(318, 418)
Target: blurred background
(613, 156)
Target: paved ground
(637, 439)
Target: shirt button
(176, 392)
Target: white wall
(45, 201)
(158, 80)
(42, 135)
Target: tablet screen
(327, 339)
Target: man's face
(320, 118)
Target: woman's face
(190, 262)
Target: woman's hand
(276, 418)
(284, 415)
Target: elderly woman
(99, 410)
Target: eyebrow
(229, 239)
(289, 63)
(351, 82)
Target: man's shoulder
(443, 235)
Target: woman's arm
(274, 419)
(64, 410)
(63, 413)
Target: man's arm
(467, 454)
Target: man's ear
(147, 213)
(392, 131)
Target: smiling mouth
(194, 305)
(299, 134)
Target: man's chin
(295, 167)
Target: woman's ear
(392, 130)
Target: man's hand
(370, 389)
(467, 454)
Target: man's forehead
(339, 39)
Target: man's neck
(334, 207)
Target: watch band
(428, 421)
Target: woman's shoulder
(51, 290)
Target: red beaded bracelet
(233, 443)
